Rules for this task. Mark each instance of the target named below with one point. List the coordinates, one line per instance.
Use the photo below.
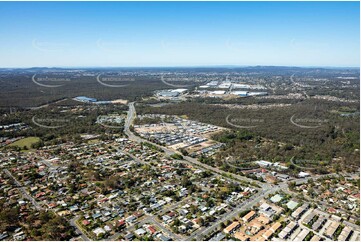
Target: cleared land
(26, 142)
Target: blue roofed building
(85, 99)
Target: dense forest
(20, 91)
(304, 131)
(273, 136)
(43, 225)
(54, 124)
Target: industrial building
(168, 94)
(85, 99)
(241, 93)
(171, 92)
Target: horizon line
(183, 66)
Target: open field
(26, 142)
(203, 145)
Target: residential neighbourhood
(180, 120)
(180, 134)
(114, 189)
(122, 189)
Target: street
(23, 191)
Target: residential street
(23, 191)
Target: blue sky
(73, 34)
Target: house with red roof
(151, 229)
(85, 222)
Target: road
(190, 160)
(291, 78)
(128, 123)
(297, 84)
(265, 190)
(79, 230)
(47, 105)
(245, 205)
(38, 207)
(164, 229)
(23, 191)
(198, 234)
(147, 220)
(248, 204)
(171, 207)
(47, 163)
(300, 223)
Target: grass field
(93, 141)
(25, 142)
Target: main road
(131, 136)
(265, 190)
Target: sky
(127, 34)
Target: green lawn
(93, 141)
(25, 142)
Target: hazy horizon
(195, 66)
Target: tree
(201, 221)
(292, 185)
(186, 182)
(184, 152)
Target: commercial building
(263, 163)
(257, 94)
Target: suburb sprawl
(258, 153)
